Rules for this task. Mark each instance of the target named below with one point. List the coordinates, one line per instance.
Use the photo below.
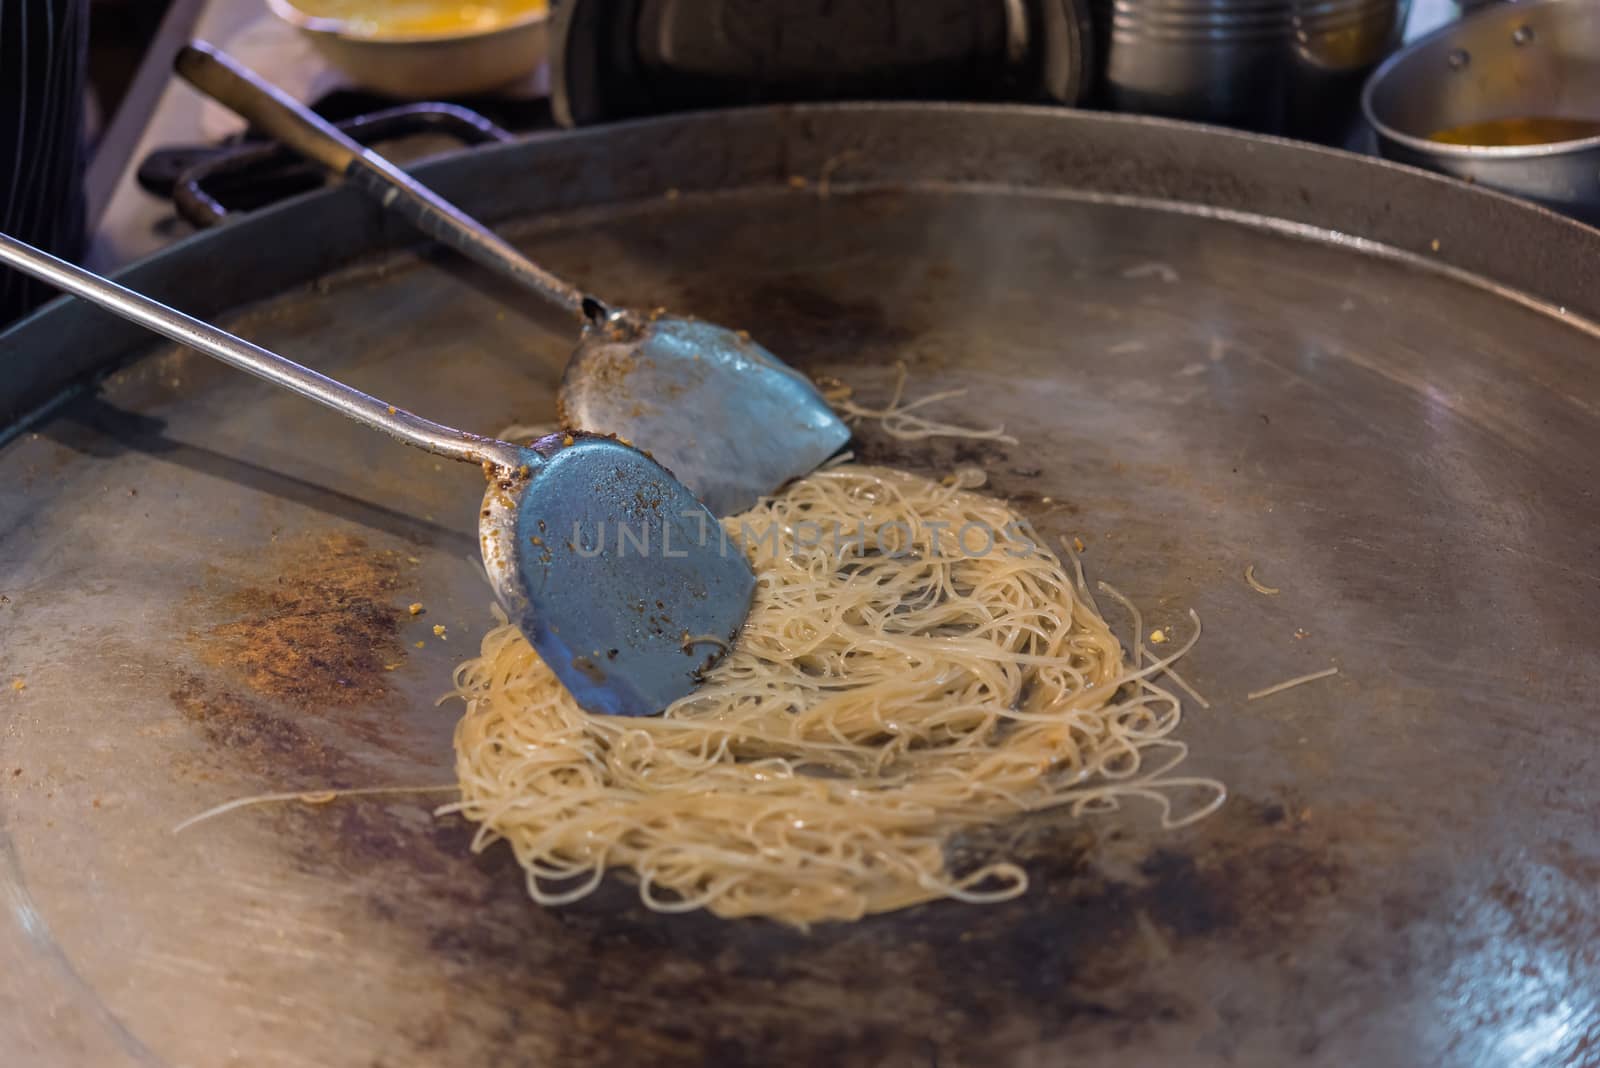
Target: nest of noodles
(915, 663)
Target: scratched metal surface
(206, 583)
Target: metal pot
(1285, 66)
(1512, 61)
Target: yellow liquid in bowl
(1529, 130)
(421, 18)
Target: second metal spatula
(724, 415)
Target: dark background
(119, 32)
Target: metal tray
(1377, 386)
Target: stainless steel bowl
(1279, 66)
(427, 66)
(1511, 61)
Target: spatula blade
(729, 419)
(611, 568)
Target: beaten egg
(421, 18)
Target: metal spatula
(728, 418)
(613, 614)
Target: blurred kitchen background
(1289, 67)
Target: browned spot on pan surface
(932, 457)
(252, 732)
(319, 628)
(801, 317)
(292, 645)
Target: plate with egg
(416, 49)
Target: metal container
(1285, 66)
(1512, 61)
(617, 59)
(418, 67)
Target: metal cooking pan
(1511, 61)
(1377, 386)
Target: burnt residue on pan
(253, 733)
(293, 645)
(1010, 478)
(1100, 954)
(931, 457)
(321, 630)
(800, 320)
(1087, 953)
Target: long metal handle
(187, 330)
(222, 78)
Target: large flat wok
(1380, 388)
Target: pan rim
(1325, 194)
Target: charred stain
(797, 316)
(1249, 880)
(1069, 958)
(319, 630)
(978, 452)
(254, 733)
(935, 457)
(293, 684)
